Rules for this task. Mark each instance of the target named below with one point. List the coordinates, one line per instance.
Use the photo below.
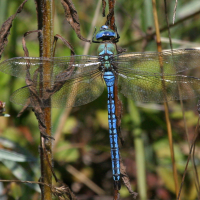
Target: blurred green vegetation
(84, 142)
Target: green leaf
(20, 173)
(21, 150)
(13, 156)
(167, 177)
(66, 152)
(188, 9)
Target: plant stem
(169, 129)
(112, 20)
(45, 24)
(139, 150)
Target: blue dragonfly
(145, 77)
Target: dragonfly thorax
(106, 48)
(106, 52)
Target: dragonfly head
(106, 33)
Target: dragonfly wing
(156, 88)
(21, 97)
(56, 66)
(79, 91)
(74, 92)
(173, 62)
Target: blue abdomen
(112, 121)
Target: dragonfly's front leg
(112, 121)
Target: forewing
(156, 88)
(173, 62)
(59, 68)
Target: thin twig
(84, 179)
(190, 156)
(169, 129)
(175, 7)
(167, 20)
(61, 191)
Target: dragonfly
(145, 77)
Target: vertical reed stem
(169, 130)
(45, 20)
(139, 150)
